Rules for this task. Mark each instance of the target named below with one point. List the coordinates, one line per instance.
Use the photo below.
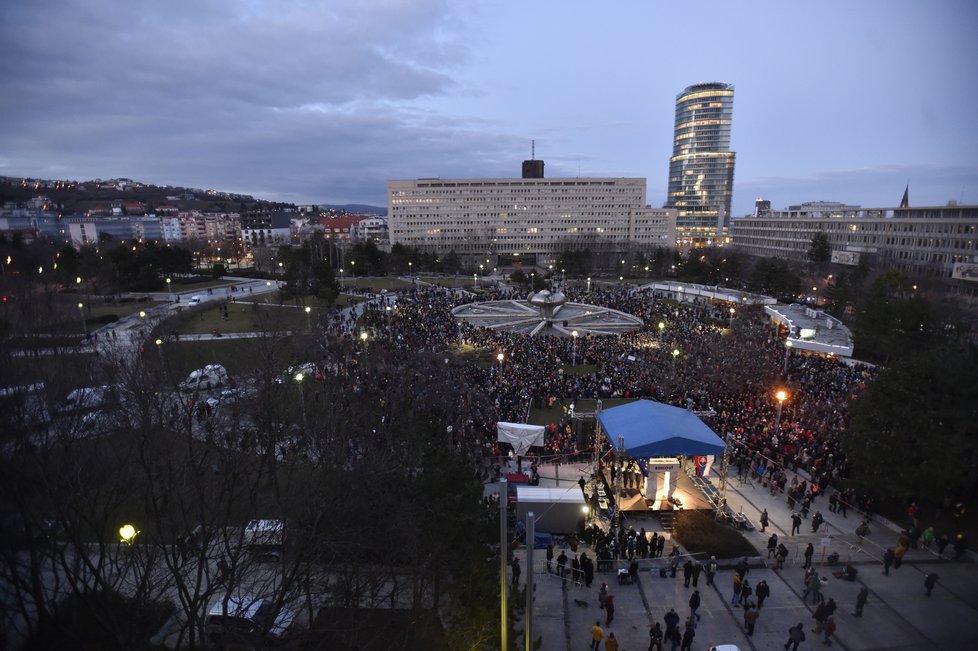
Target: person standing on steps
(772, 545)
(764, 520)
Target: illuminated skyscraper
(701, 169)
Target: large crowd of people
(728, 368)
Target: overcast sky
(324, 101)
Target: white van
(209, 377)
(195, 300)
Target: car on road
(247, 622)
(195, 300)
(209, 377)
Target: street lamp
(589, 285)
(781, 395)
(81, 308)
(574, 355)
(308, 318)
(168, 290)
(363, 337)
(500, 357)
(662, 326)
(475, 281)
(675, 356)
(127, 534)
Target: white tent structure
(520, 435)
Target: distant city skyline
(326, 102)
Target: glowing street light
(475, 281)
(589, 285)
(675, 356)
(574, 355)
(127, 534)
(662, 326)
(308, 318)
(363, 337)
(500, 357)
(781, 395)
(168, 290)
(81, 309)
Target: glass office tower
(701, 169)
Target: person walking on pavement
(820, 615)
(764, 520)
(602, 595)
(809, 552)
(861, 601)
(687, 572)
(736, 589)
(609, 609)
(694, 603)
(888, 558)
(796, 635)
(750, 618)
(745, 592)
(829, 631)
(611, 644)
(711, 570)
(688, 636)
(597, 634)
(763, 591)
(772, 544)
(929, 582)
(697, 568)
(515, 564)
(817, 521)
(655, 638)
(795, 523)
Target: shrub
(700, 533)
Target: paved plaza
(897, 616)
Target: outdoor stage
(566, 474)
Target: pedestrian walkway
(898, 614)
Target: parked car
(247, 622)
(209, 377)
(195, 300)
(89, 399)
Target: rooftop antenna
(533, 150)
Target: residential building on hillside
(932, 243)
(525, 221)
(266, 228)
(701, 169)
(83, 230)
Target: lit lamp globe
(781, 395)
(308, 309)
(299, 377)
(363, 337)
(127, 533)
(675, 352)
(500, 357)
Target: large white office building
(936, 246)
(526, 221)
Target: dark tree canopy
(915, 426)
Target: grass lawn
(544, 416)
(238, 356)
(699, 533)
(249, 317)
(377, 283)
(203, 283)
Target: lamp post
(299, 377)
(127, 534)
(81, 309)
(475, 281)
(308, 318)
(574, 355)
(675, 356)
(168, 290)
(662, 327)
(363, 337)
(589, 285)
(781, 395)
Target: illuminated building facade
(701, 169)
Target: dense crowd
(728, 369)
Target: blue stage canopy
(652, 429)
